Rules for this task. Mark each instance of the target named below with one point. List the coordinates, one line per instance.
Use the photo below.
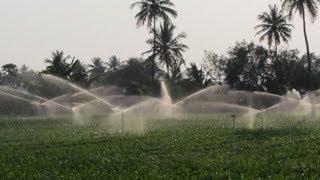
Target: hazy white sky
(31, 29)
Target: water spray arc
(36, 97)
(55, 79)
(130, 112)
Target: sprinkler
(122, 121)
(233, 121)
(233, 132)
(124, 91)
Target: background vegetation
(245, 66)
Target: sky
(31, 29)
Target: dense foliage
(246, 66)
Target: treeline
(246, 66)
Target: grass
(287, 147)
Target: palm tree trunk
(168, 71)
(270, 50)
(154, 49)
(307, 46)
(275, 49)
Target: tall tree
(132, 75)
(168, 47)
(214, 67)
(10, 69)
(196, 76)
(59, 65)
(149, 12)
(27, 77)
(247, 66)
(96, 70)
(78, 73)
(302, 7)
(274, 27)
(1, 78)
(176, 74)
(114, 63)
(10, 75)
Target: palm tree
(176, 74)
(167, 46)
(274, 27)
(114, 63)
(303, 6)
(97, 66)
(96, 69)
(58, 64)
(78, 73)
(149, 12)
(196, 76)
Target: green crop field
(286, 147)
